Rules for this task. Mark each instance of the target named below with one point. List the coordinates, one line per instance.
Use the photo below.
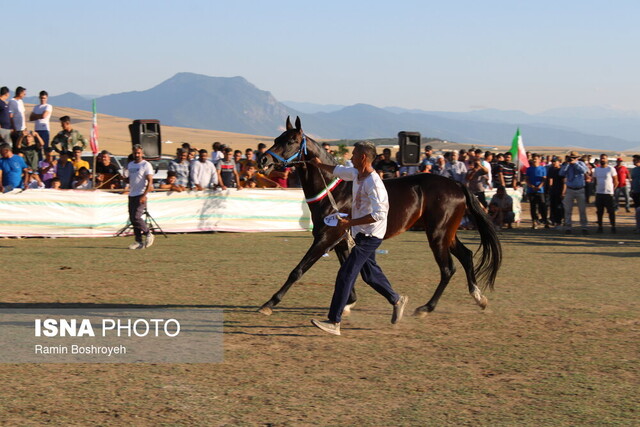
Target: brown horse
(438, 203)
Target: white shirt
(488, 166)
(369, 197)
(216, 155)
(604, 179)
(137, 173)
(43, 124)
(16, 107)
(204, 174)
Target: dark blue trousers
(361, 260)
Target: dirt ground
(558, 344)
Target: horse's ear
(289, 127)
(298, 126)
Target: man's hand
(143, 199)
(316, 161)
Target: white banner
(82, 213)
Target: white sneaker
(148, 241)
(325, 325)
(136, 245)
(398, 309)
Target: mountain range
(235, 105)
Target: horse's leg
(465, 256)
(319, 247)
(442, 255)
(342, 251)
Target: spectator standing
(41, 114)
(260, 152)
(606, 180)
(635, 189)
(536, 177)
(16, 110)
(440, 166)
(203, 173)
(170, 183)
(555, 186)
(574, 172)
(476, 179)
(237, 157)
(47, 167)
(590, 184)
(487, 162)
(180, 165)
(216, 152)
(139, 172)
(65, 171)
(622, 189)
(5, 116)
(227, 174)
(507, 172)
(14, 172)
(455, 169)
(386, 167)
(426, 165)
(68, 137)
(495, 169)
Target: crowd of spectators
(551, 184)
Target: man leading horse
(368, 223)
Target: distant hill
(233, 104)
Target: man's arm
(39, 141)
(347, 222)
(327, 168)
(195, 177)
(148, 188)
(238, 186)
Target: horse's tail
(491, 258)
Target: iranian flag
(93, 140)
(518, 154)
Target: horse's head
(290, 147)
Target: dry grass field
(558, 344)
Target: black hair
(4, 90)
(43, 93)
(65, 119)
(19, 90)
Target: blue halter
(303, 147)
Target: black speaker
(147, 134)
(409, 143)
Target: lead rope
(347, 235)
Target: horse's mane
(321, 153)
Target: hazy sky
(434, 55)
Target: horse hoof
(420, 313)
(484, 302)
(266, 310)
